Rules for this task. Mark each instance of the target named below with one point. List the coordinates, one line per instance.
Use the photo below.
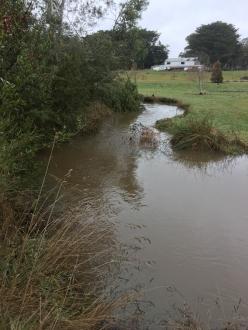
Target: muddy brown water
(183, 216)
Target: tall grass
(54, 267)
(53, 271)
(199, 133)
(148, 137)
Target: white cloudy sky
(175, 19)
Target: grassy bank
(224, 105)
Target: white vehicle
(183, 63)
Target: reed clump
(93, 117)
(199, 133)
(148, 137)
(53, 270)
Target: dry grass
(148, 137)
(199, 133)
(52, 276)
(144, 136)
(54, 268)
(93, 117)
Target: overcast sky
(175, 19)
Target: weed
(148, 137)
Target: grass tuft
(53, 270)
(199, 133)
(148, 137)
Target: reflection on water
(206, 163)
(184, 215)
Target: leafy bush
(47, 84)
(120, 95)
(17, 160)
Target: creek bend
(185, 213)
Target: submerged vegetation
(148, 137)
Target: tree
(49, 79)
(243, 58)
(130, 12)
(215, 41)
(125, 33)
(217, 76)
(76, 14)
(156, 53)
(137, 47)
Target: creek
(183, 216)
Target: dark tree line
(218, 41)
(135, 48)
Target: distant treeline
(135, 48)
(218, 41)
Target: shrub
(47, 86)
(217, 76)
(120, 95)
(19, 166)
